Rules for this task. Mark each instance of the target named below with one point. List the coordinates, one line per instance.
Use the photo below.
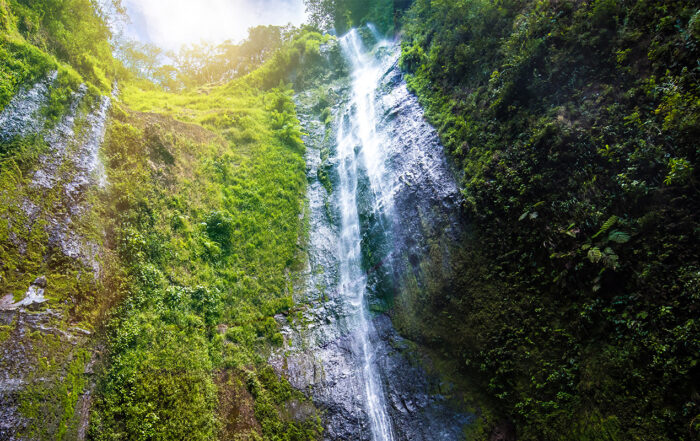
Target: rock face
(34, 296)
(504, 431)
(50, 202)
(404, 193)
(21, 116)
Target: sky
(173, 23)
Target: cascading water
(366, 73)
(380, 192)
(356, 132)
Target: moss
(5, 331)
(547, 107)
(48, 402)
(27, 213)
(4, 16)
(62, 93)
(21, 65)
(54, 388)
(206, 205)
(68, 36)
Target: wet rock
(21, 116)
(404, 196)
(32, 298)
(30, 209)
(75, 329)
(40, 282)
(59, 139)
(64, 174)
(80, 151)
(7, 303)
(19, 361)
(299, 410)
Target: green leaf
(606, 226)
(594, 255)
(619, 237)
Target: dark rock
(421, 202)
(40, 282)
(504, 431)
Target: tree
(206, 63)
(321, 13)
(341, 15)
(143, 59)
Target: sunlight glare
(173, 23)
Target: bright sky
(173, 23)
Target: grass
(199, 232)
(205, 206)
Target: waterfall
(358, 139)
(393, 201)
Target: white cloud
(173, 23)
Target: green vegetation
(50, 354)
(199, 231)
(205, 213)
(341, 15)
(570, 309)
(28, 52)
(50, 347)
(39, 36)
(70, 37)
(576, 126)
(271, 53)
(74, 31)
(205, 63)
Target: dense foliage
(341, 15)
(206, 216)
(575, 125)
(572, 306)
(67, 36)
(197, 236)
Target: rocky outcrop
(45, 358)
(21, 116)
(504, 431)
(33, 296)
(322, 353)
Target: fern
(610, 259)
(606, 226)
(619, 237)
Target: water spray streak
(357, 140)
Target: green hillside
(571, 308)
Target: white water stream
(392, 197)
(359, 144)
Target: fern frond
(619, 237)
(606, 226)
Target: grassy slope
(207, 222)
(199, 231)
(206, 213)
(576, 124)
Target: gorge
(401, 220)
